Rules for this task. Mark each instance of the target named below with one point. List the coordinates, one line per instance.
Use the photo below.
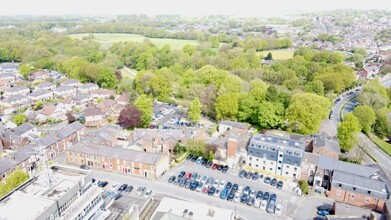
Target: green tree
(347, 130)
(306, 111)
(315, 87)
(25, 70)
(374, 95)
(303, 186)
(366, 116)
(20, 119)
(12, 181)
(269, 56)
(107, 78)
(382, 127)
(270, 115)
(144, 104)
(214, 41)
(38, 105)
(227, 106)
(195, 110)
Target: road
(381, 158)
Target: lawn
(386, 147)
(107, 39)
(278, 54)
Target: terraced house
(275, 155)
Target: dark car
(129, 189)
(248, 174)
(214, 167)
(273, 197)
(84, 167)
(211, 191)
(267, 180)
(242, 173)
(117, 196)
(235, 187)
(250, 201)
(204, 162)
(189, 157)
(194, 158)
(181, 174)
(194, 185)
(255, 176)
(103, 184)
(188, 183)
(259, 195)
(182, 182)
(280, 184)
(220, 167)
(273, 182)
(224, 194)
(193, 176)
(246, 190)
(122, 187)
(243, 198)
(323, 212)
(266, 196)
(209, 164)
(225, 169)
(176, 182)
(231, 195)
(171, 179)
(324, 208)
(228, 186)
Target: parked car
(205, 189)
(188, 175)
(267, 179)
(246, 190)
(140, 191)
(225, 169)
(199, 177)
(129, 189)
(204, 161)
(280, 184)
(217, 192)
(266, 196)
(209, 164)
(194, 159)
(237, 197)
(250, 201)
(199, 187)
(122, 187)
(278, 210)
(323, 212)
(224, 194)
(181, 174)
(188, 184)
(257, 202)
(193, 176)
(204, 179)
(84, 167)
(199, 160)
(148, 193)
(231, 195)
(220, 167)
(243, 198)
(117, 196)
(209, 181)
(235, 187)
(189, 157)
(211, 191)
(103, 184)
(255, 176)
(216, 183)
(252, 193)
(214, 167)
(222, 184)
(171, 179)
(182, 182)
(324, 208)
(242, 173)
(248, 174)
(259, 195)
(228, 186)
(261, 177)
(194, 185)
(273, 182)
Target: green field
(278, 54)
(107, 39)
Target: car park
(242, 173)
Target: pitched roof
(46, 140)
(69, 129)
(118, 153)
(48, 110)
(337, 165)
(44, 84)
(92, 111)
(234, 124)
(321, 140)
(23, 128)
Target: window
(367, 200)
(369, 192)
(250, 158)
(340, 185)
(271, 163)
(280, 155)
(263, 168)
(257, 159)
(279, 168)
(280, 161)
(256, 165)
(272, 156)
(271, 169)
(287, 173)
(287, 166)
(249, 164)
(295, 169)
(352, 196)
(354, 188)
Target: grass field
(386, 147)
(107, 39)
(278, 54)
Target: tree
(195, 110)
(303, 186)
(366, 116)
(270, 115)
(214, 41)
(12, 181)
(347, 130)
(130, 117)
(144, 104)
(374, 95)
(38, 105)
(107, 78)
(382, 127)
(70, 117)
(269, 56)
(160, 87)
(306, 111)
(20, 119)
(25, 70)
(227, 106)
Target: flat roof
(31, 206)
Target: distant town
(164, 117)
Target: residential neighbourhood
(222, 133)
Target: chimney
(232, 146)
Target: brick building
(118, 159)
(358, 190)
(94, 117)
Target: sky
(183, 7)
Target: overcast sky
(183, 7)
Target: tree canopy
(347, 130)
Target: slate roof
(69, 129)
(321, 140)
(46, 141)
(38, 93)
(360, 184)
(117, 153)
(23, 128)
(44, 84)
(92, 111)
(14, 89)
(337, 165)
(234, 124)
(20, 155)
